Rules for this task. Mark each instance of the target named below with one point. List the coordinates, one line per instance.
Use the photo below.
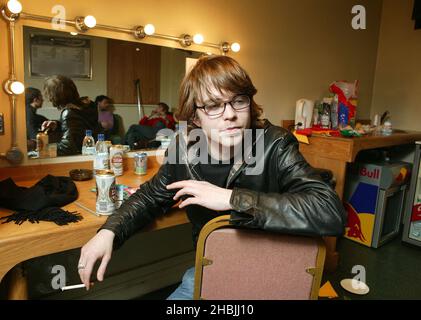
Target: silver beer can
(106, 194)
(140, 163)
(116, 159)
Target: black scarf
(41, 202)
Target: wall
(398, 72)
(292, 49)
(90, 88)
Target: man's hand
(52, 125)
(100, 247)
(203, 194)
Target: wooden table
(335, 153)
(22, 242)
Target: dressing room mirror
(134, 78)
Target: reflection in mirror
(126, 90)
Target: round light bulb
(235, 47)
(74, 33)
(14, 6)
(149, 29)
(198, 39)
(17, 87)
(89, 21)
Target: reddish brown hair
(215, 72)
(61, 91)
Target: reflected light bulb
(89, 21)
(14, 6)
(17, 87)
(198, 39)
(74, 33)
(149, 29)
(235, 47)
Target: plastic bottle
(88, 144)
(325, 117)
(387, 128)
(101, 161)
(334, 115)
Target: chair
(245, 264)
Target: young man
(34, 121)
(140, 134)
(286, 195)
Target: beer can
(116, 159)
(42, 145)
(106, 194)
(140, 163)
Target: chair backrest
(245, 264)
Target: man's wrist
(107, 233)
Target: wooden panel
(328, 147)
(128, 61)
(287, 124)
(147, 68)
(120, 72)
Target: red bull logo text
(373, 174)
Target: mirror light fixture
(186, 40)
(198, 38)
(83, 24)
(226, 47)
(14, 87)
(11, 10)
(141, 32)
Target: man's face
(227, 129)
(160, 110)
(104, 105)
(37, 103)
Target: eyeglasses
(238, 103)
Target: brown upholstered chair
(245, 264)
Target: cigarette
(76, 286)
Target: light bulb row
(13, 8)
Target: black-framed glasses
(238, 103)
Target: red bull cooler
(374, 200)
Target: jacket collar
(190, 152)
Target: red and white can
(116, 159)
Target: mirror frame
(18, 119)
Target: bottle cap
(89, 132)
(101, 137)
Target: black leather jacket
(288, 197)
(74, 122)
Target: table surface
(347, 148)
(22, 242)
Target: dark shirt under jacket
(33, 122)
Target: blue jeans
(186, 288)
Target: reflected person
(140, 134)
(76, 116)
(34, 121)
